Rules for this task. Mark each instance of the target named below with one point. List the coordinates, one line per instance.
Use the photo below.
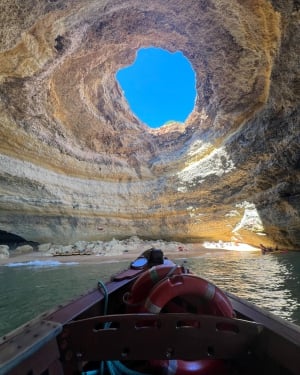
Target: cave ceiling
(77, 164)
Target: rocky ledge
(133, 246)
(76, 164)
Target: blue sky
(160, 86)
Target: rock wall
(76, 164)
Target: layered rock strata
(76, 164)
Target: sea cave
(77, 164)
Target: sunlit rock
(76, 164)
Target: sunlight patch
(217, 163)
(250, 220)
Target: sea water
(28, 289)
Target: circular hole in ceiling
(160, 86)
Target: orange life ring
(188, 285)
(142, 286)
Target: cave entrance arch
(160, 86)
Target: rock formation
(76, 164)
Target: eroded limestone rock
(76, 164)
(23, 249)
(4, 251)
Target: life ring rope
(186, 284)
(189, 285)
(157, 287)
(210, 292)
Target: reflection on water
(270, 281)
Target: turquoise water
(271, 281)
(27, 291)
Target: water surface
(270, 281)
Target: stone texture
(76, 164)
(23, 249)
(43, 248)
(4, 251)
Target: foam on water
(40, 263)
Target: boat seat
(160, 336)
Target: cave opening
(6, 238)
(13, 240)
(160, 86)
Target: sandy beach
(129, 255)
(130, 250)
